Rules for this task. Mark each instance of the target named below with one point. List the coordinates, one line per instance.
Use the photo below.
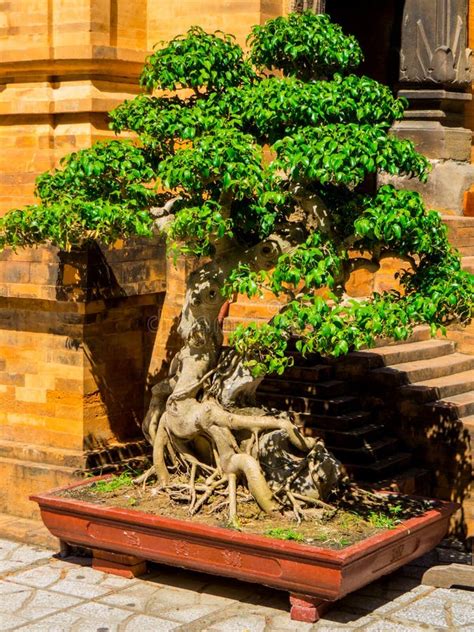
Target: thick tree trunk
(196, 421)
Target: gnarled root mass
(218, 451)
(207, 443)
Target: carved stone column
(435, 72)
(298, 6)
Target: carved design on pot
(132, 538)
(434, 37)
(182, 548)
(397, 553)
(232, 558)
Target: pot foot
(127, 566)
(64, 549)
(307, 609)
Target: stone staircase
(326, 406)
(399, 416)
(424, 392)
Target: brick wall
(77, 331)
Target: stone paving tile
(101, 613)
(173, 597)
(11, 622)
(283, 623)
(136, 597)
(62, 622)
(227, 592)
(186, 614)
(7, 566)
(379, 606)
(6, 548)
(44, 602)
(454, 594)
(29, 555)
(462, 614)
(345, 618)
(80, 589)
(241, 623)
(13, 597)
(38, 577)
(431, 610)
(144, 623)
(390, 626)
(53, 595)
(15, 556)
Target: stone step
(311, 373)
(463, 337)
(313, 424)
(415, 351)
(29, 477)
(42, 454)
(382, 469)
(330, 388)
(455, 406)
(417, 371)
(440, 387)
(461, 233)
(29, 531)
(356, 438)
(370, 453)
(420, 333)
(468, 423)
(468, 264)
(334, 405)
(413, 481)
(390, 355)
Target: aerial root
(192, 485)
(143, 478)
(297, 508)
(232, 491)
(207, 494)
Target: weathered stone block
(446, 186)
(435, 140)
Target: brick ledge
(32, 532)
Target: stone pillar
(298, 6)
(435, 75)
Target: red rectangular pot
(122, 540)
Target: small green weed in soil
(113, 484)
(382, 521)
(285, 534)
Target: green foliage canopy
(236, 140)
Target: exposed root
(207, 495)
(143, 478)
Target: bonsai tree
(262, 167)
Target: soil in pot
(350, 520)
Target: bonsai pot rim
(344, 556)
(122, 540)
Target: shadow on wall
(119, 325)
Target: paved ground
(44, 594)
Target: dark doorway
(377, 26)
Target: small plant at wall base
(257, 165)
